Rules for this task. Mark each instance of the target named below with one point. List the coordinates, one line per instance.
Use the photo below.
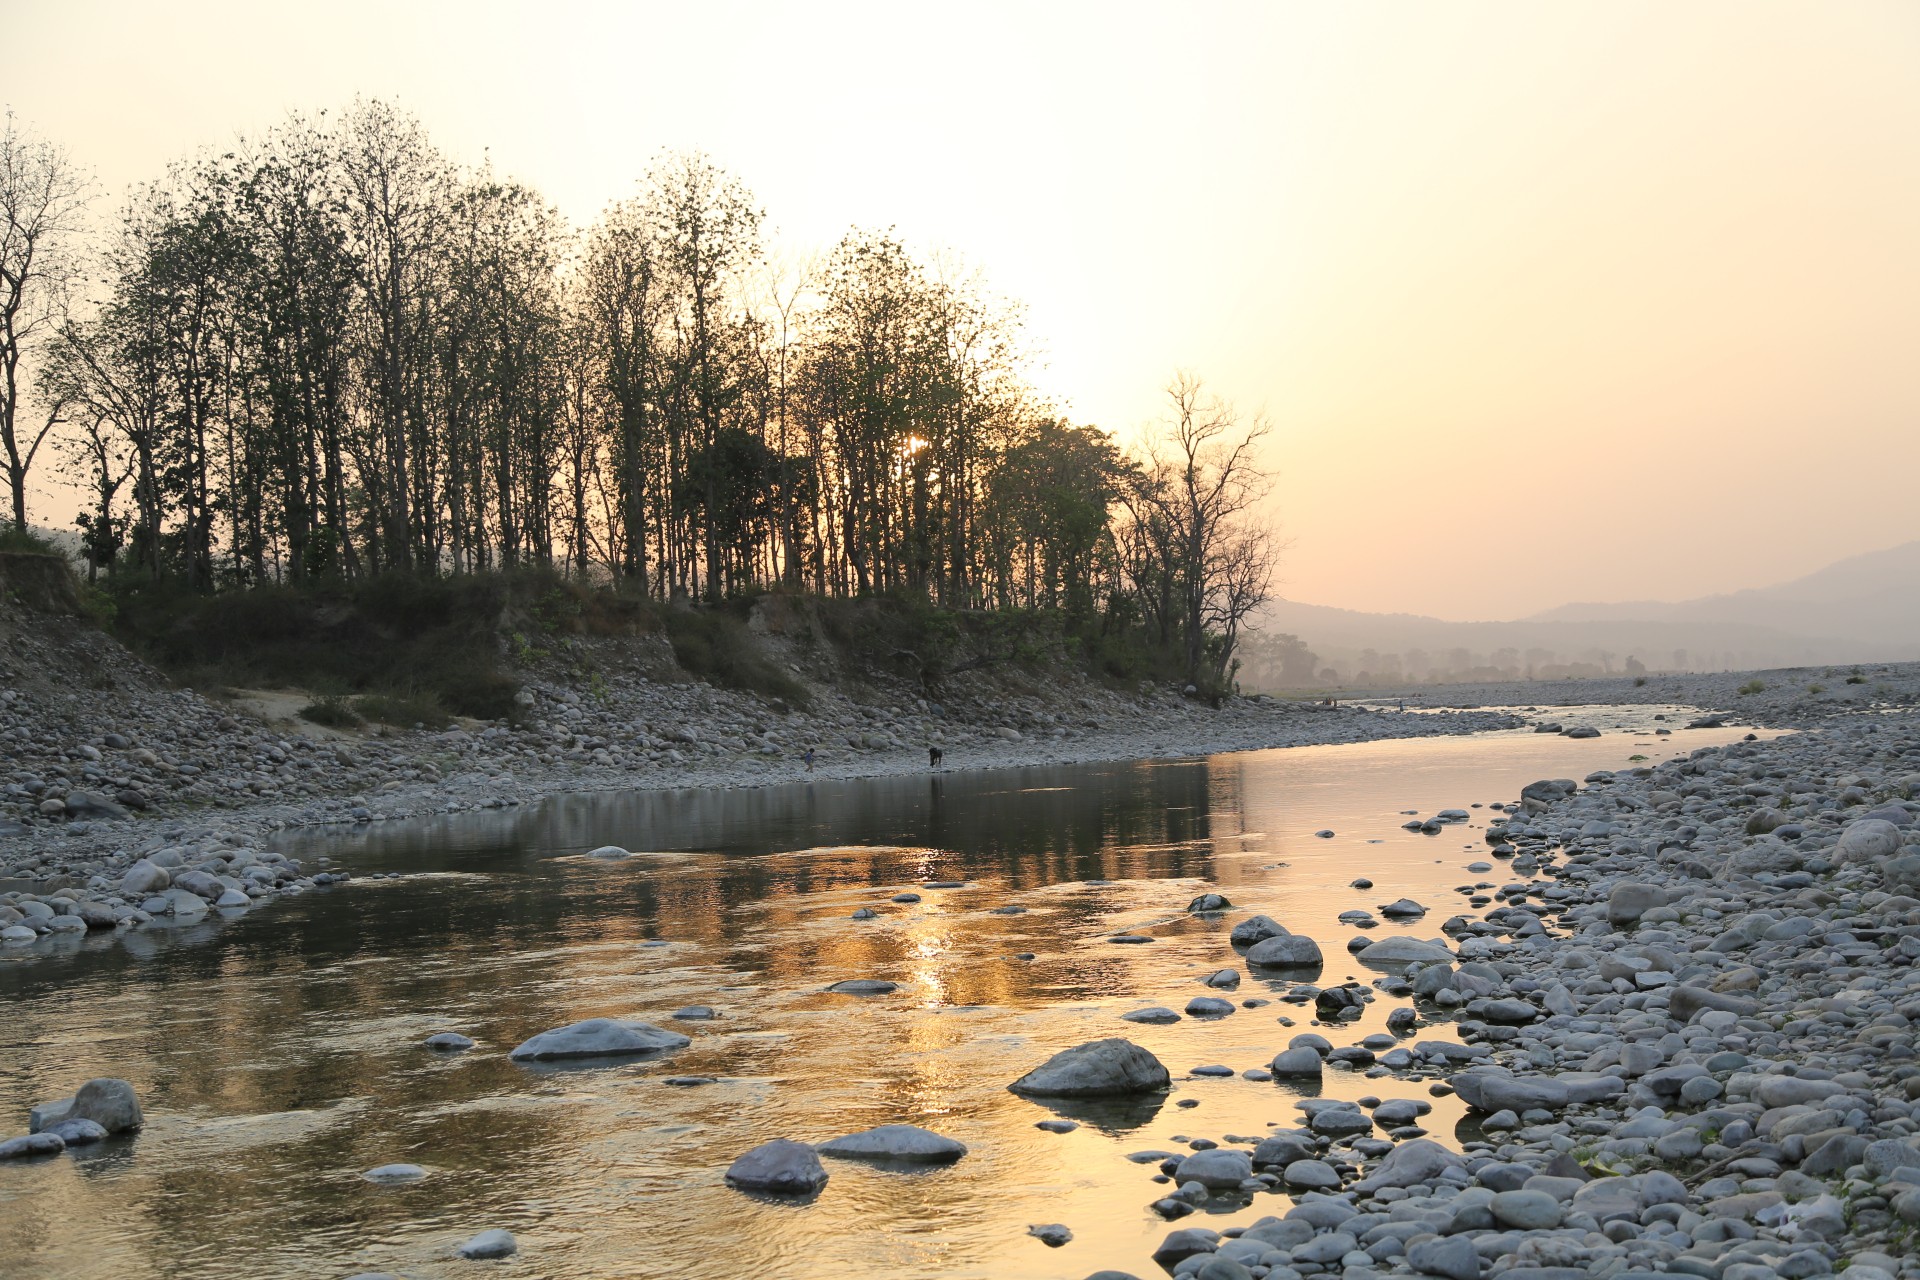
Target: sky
(1545, 302)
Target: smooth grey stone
(1155, 1014)
(77, 1131)
(490, 1244)
(448, 1041)
(1289, 951)
(1099, 1068)
(32, 1144)
(110, 1103)
(395, 1173)
(1526, 1210)
(1222, 1168)
(598, 1038)
(781, 1167)
(904, 1142)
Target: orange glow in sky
(1546, 301)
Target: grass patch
(334, 712)
(1751, 686)
(402, 710)
(1856, 678)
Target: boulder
(1287, 951)
(1256, 929)
(1404, 950)
(1867, 840)
(144, 878)
(109, 1103)
(780, 1167)
(32, 1144)
(1219, 1169)
(903, 1142)
(1421, 1160)
(490, 1244)
(598, 1038)
(1630, 900)
(1098, 1069)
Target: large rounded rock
(1421, 1160)
(1256, 929)
(780, 1167)
(144, 878)
(599, 1038)
(1404, 950)
(1098, 1069)
(904, 1142)
(1630, 900)
(1289, 951)
(1867, 841)
(1219, 1169)
(1296, 1063)
(1492, 1091)
(111, 1104)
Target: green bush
(26, 540)
(395, 634)
(334, 712)
(402, 710)
(1752, 686)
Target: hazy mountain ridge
(1862, 609)
(1873, 597)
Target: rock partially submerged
(598, 1038)
(1098, 1069)
(781, 1167)
(906, 1143)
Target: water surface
(278, 1052)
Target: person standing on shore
(935, 756)
(809, 759)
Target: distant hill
(1872, 599)
(1863, 609)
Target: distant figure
(934, 756)
(809, 759)
(1403, 704)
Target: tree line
(333, 351)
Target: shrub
(1639, 681)
(1856, 678)
(26, 540)
(334, 712)
(402, 710)
(1751, 686)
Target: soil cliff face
(43, 583)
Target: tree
(1201, 562)
(43, 200)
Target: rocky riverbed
(1679, 1005)
(1688, 1045)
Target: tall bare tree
(43, 202)
(1202, 557)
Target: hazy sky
(1546, 301)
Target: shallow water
(278, 1052)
